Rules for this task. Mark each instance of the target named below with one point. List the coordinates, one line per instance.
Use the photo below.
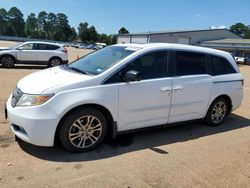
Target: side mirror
(132, 76)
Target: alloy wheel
(55, 62)
(85, 131)
(8, 62)
(218, 112)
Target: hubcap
(85, 131)
(55, 62)
(218, 112)
(8, 62)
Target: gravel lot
(188, 155)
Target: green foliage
(241, 30)
(50, 26)
(73, 35)
(15, 24)
(31, 26)
(123, 30)
(108, 39)
(3, 21)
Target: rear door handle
(163, 89)
(177, 88)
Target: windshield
(99, 61)
(17, 45)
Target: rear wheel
(217, 112)
(55, 61)
(8, 61)
(83, 130)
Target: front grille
(16, 95)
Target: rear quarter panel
(229, 85)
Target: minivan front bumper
(34, 124)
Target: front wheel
(83, 130)
(217, 112)
(8, 62)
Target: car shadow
(138, 141)
(27, 67)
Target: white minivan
(122, 88)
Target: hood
(4, 48)
(40, 81)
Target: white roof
(175, 46)
(42, 42)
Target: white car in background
(121, 88)
(240, 60)
(39, 53)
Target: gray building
(214, 38)
(239, 47)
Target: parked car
(122, 88)
(40, 53)
(240, 60)
(92, 47)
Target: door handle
(177, 88)
(164, 89)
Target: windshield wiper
(78, 70)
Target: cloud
(197, 15)
(221, 27)
(217, 27)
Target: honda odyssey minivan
(121, 88)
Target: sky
(108, 16)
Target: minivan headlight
(33, 100)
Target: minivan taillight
(242, 82)
(64, 50)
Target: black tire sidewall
(50, 65)
(3, 61)
(72, 117)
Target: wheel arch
(3, 55)
(112, 125)
(55, 57)
(227, 98)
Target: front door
(146, 102)
(27, 53)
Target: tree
(52, 24)
(73, 35)
(15, 22)
(104, 38)
(241, 30)
(31, 26)
(92, 34)
(123, 30)
(42, 24)
(3, 21)
(83, 31)
(63, 29)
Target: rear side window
(52, 47)
(190, 63)
(46, 47)
(42, 46)
(221, 66)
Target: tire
(217, 112)
(55, 61)
(8, 61)
(83, 130)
